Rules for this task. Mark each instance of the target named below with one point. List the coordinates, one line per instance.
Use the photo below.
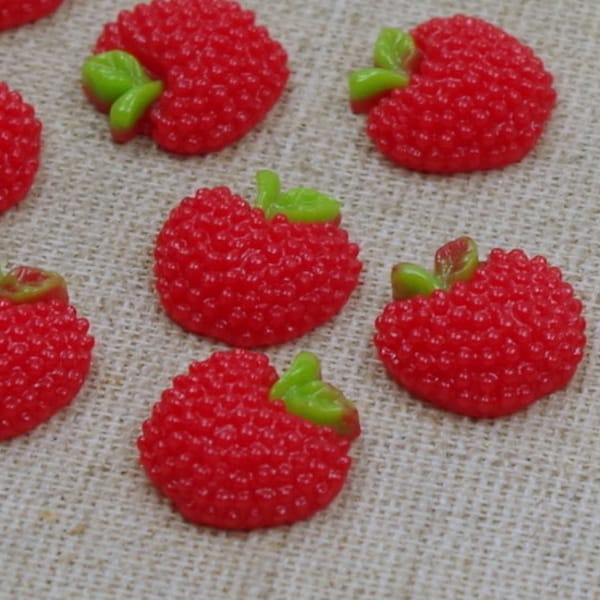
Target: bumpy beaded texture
(18, 12)
(45, 355)
(222, 72)
(479, 99)
(19, 147)
(229, 457)
(490, 346)
(224, 271)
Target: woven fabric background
(436, 506)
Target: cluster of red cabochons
(231, 443)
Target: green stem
(268, 189)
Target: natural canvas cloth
(436, 506)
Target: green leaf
(410, 280)
(111, 74)
(316, 401)
(457, 260)
(323, 404)
(394, 49)
(301, 205)
(306, 395)
(298, 205)
(304, 368)
(371, 82)
(132, 105)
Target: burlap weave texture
(436, 506)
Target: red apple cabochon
(255, 276)
(455, 94)
(482, 339)
(195, 75)
(14, 13)
(20, 147)
(233, 446)
(45, 349)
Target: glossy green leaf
(307, 396)
(298, 204)
(410, 280)
(316, 401)
(111, 74)
(373, 81)
(129, 108)
(394, 49)
(306, 206)
(304, 368)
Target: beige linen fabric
(436, 506)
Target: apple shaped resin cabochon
(20, 147)
(259, 275)
(482, 339)
(455, 94)
(234, 446)
(195, 75)
(45, 349)
(14, 13)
